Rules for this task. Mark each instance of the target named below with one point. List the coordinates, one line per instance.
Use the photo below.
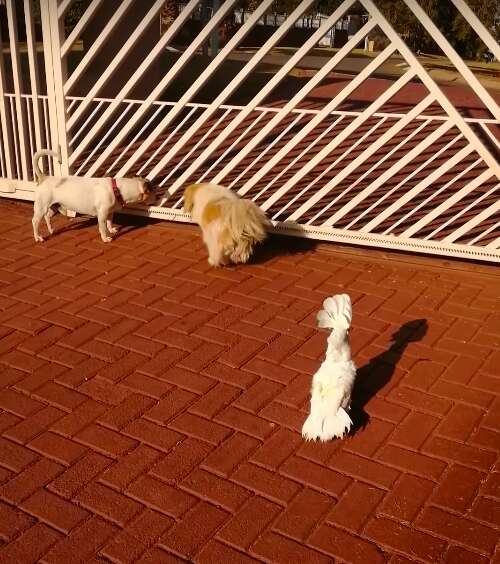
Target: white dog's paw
(107, 239)
(113, 230)
(39, 239)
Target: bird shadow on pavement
(378, 371)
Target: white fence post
(7, 136)
(55, 70)
(31, 46)
(20, 121)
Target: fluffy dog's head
(189, 197)
(231, 226)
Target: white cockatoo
(333, 382)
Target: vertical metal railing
(22, 114)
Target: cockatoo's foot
(328, 427)
(313, 428)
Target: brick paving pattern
(151, 406)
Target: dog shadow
(378, 371)
(125, 223)
(281, 245)
(74, 223)
(129, 223)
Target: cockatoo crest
(336, 312)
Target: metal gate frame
(359, 213)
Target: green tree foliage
(443, 13)
(168, 14)
(71, 17)
(450, 22)
(408, 26)
(447, 18)
(464, 39)
(74, 13)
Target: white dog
(88, 196)
(231, 226)
(333, 382)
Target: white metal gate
(404, 168)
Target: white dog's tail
(247, 225)
(37, 173)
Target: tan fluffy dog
(231, 226)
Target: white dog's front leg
(109, 224)
(102, 218)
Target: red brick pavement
(151, 406)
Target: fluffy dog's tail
(38, 174)
(247, 226)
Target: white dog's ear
(189, 194)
